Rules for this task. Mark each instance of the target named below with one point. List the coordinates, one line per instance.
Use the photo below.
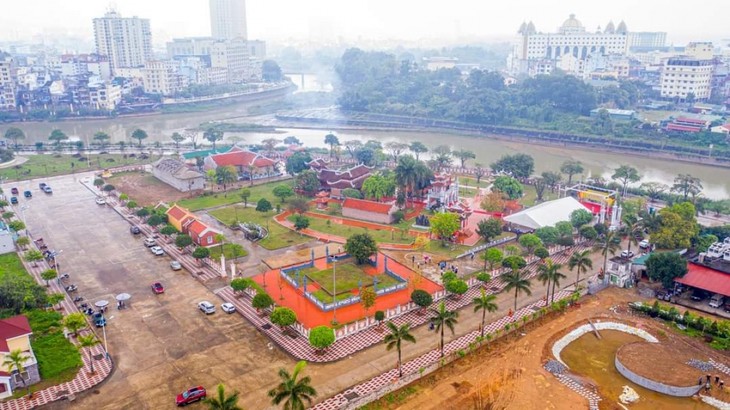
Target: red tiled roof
(678, 127)
(13, 327)
(691, 120)
(368, 206)
(241, 158)
(177, 212)
(709, 279)
(197, 227)
(351, 178)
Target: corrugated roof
(13, 327)
(709, 279)
(242, 158)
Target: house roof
(349, 178)
(205, 153)
(13, 327)
(679, 127)
(242, 158)
(709, 279)
(177, 212)
(691, 120)
(199, 228)
(368, 206)
(177, 169)
(546, 214)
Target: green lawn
(483, 182)
(349, 277)
(215, 252)
(380, 236)
(325, 297)
(530, 195)
(279, 237)
(43, 165)
(233, 196)
(58, 358)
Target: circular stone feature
(661, 363)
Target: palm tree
(292, 392)
(633, 231)
(394, 339)
(331, 140)
(611, 243)
(581, 262)
(485, 303)
(88, 341)
(441, 318)
(223, 402)
(516, 280)
(15, 360)
(549, 272)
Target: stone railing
(677, 391)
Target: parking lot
(161, 343)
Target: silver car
(157, 250)
(228, 307)
(175, 265)
(206, 307)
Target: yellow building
(15, 335)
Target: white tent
(546, 214)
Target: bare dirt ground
(508, 374)
(145, 189)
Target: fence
(485, 246)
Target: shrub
(321, 337)
(421, 298)
(262, 301)
(483, 277)
(379, 315)
(283, 317)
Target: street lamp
(22, 217)
(334, 288)
(55, 265)
(103, 331)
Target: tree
(212, 135)
(226, 175)
(297, 162)
(581, 262)
(489, 229)
(549, 272)
(201, 253)
(270, 144)
(351, 193)
(570, 168)
(442, 156)
(666, 267)
(177, 138)
(87, 342)
(321, 337)
(493, 202)
(485, 303)
(704, 241)
(378, 186)
(442, 318)
(361, 246)
(282, 191)
(33, 256)
(493, 257)
(411, 174)
(168, 230)
(654, 190)
(239, 284)
(677, 227)
(55, 298)
(15, 135)
(298, 205)
(444, 225)
(331, 140)
(394, 339)
(540, 186)
(271, 72)
(580, 217)
(508, 186)
(530, 242)
(16, 226)
(57, 136)
(366, 156)
(301, 222)
(479, 172)
(22, 242)
(75, 322)
(49, 274)
(516, 280)
(15, 360)
(283, 317)
(139, 135)
(221, 401)
(588, 232)
(514, 260)
(686, 184)
(395, 148)
(261, 301)
(626, 174)
(518, 165)
(367, 298)
(307, 182)
(244, 193)
(552, 179)
(417, 148)
(292, 140)
(183, 240)
(421, 298)
(102, 138)
(263, 205)
(464, 155)
(379, 316)
(292, 392)
(456, 287)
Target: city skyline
(329, 20)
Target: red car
(158, 288)
(14, 191)
(190, 396)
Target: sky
(367, 20)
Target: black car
(28, 194)
(14, 200)
(134, 230)
(698, 294)
(42, 185)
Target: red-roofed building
(335, 181)
(706, 278)
(682, 128)
(248, 164)
(687, 124)
(177, 216)
(15, 335)
(202, 234)
(380, 212)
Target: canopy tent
(546, 214)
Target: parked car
(157, 250)
(28, 194)
(149, 241)
(645, 244)
(99, 319)
(42, 185)
(175, 265)
(206, 307)
(228, 307)
(47, 189)
(717, 300)
(157, 288)
(14, 200)
(627, 254)
(726, 307)
(100, 201)
(134, 230)
(14, 191)
(698, 294)
(191, 396)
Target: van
(717, 300)
(149, 242)
(644, 244)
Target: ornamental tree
(321, 337)
(444, 225)
(421, 298)
(361, 246)
(283, 317)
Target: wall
(656, 386)
(367, 216)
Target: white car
(175, 265)
(206, 307)
(228, 307)
(645, 244)
(100, 201)
(627, 254)
(157, 250)
(149, 242)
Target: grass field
(530, 195)
(43, 165)
(380, 236)
(58, 358)
(483, 182)
(279, 237)
(215, 252)
(234, 197)
(349, 277)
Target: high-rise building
(687, 74)
(8, 86)
(161, 77)
(228, 19)
(126, 41)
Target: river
(716, 181)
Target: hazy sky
(373, 19)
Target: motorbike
(71, 288)
(64, 276)
(78, 299)
(84, 306)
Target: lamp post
(55, 265)
(103, 331)
(22, 217)
(334, 288)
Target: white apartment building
(233, 56)
(105, 95)
(571, 38)
(161, 77)
(228, 19)
(8, 88)
(682, 75)
(647, 39)
(126, 41)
